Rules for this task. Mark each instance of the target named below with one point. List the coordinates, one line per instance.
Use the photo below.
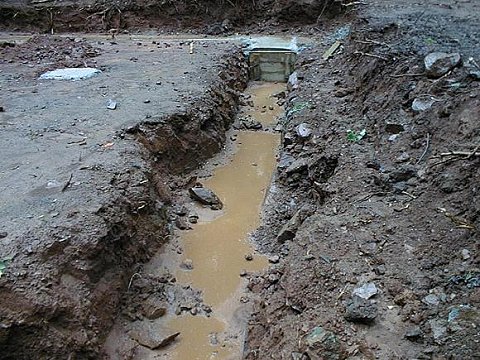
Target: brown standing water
(218, 247)
(218, 244)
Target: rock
(70, 74)
(297, 166)
(3, 234)
(180, 210)
(465, 253)
(187, 264)
(360, 310)
(304, 131)
(292, 81)
(403, 157)
(439, 330)
(322, 344)
(249, 257)
(438, 64)
(193, 218)
(251, 124)
(289, 230)
(111, 104)
(414, 333)
(206, 197)
(473, 70)
(146, 101)
(431, 300)
(151, 335)
(366, 291)
(153, 308)
(274, 259)
(422, 104)
(182, 224)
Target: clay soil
(90, 196)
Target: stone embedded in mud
(414, 333)
(251, 124)
(151, 335)
(323, 344)
(422, 104)
(289, 230)
(438, 64)
(206, 197)
(304, 131)
(361, 310)
(297, 166)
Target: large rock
(289, 230)
(206, 197)
(151, 335)
(438, 64)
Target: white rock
(70, 74)
(366, 291)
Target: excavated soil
(382, 204)
(367, 191)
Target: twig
(353, 3)
(426, 149)
(461, 153)
(131, 280)
(67, 184)
(474, 151)
(408, 194)
(405, 75)
(371, 55)
(368, 41)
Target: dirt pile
(376, 211)
(210, 16)
(51, 52)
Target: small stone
(465, 253)
(361, 310)
(366, 291)
(422, 104)
(403, 157)
(146, 101)
(304, 131)
(187, 264)
(274, 259)
(438, 329)
(193, 311)
(249, 257)
(414, 333)
(243, 273)
(438, 64)
(181, 223)
(152, 335)
(431, 299)
(111, 104)
(206, 197)
(3, 234)
(193, 218)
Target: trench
(210, 261)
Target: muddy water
(218, 245)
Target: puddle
(218, 246)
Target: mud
(377, 193)
(386, 208)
